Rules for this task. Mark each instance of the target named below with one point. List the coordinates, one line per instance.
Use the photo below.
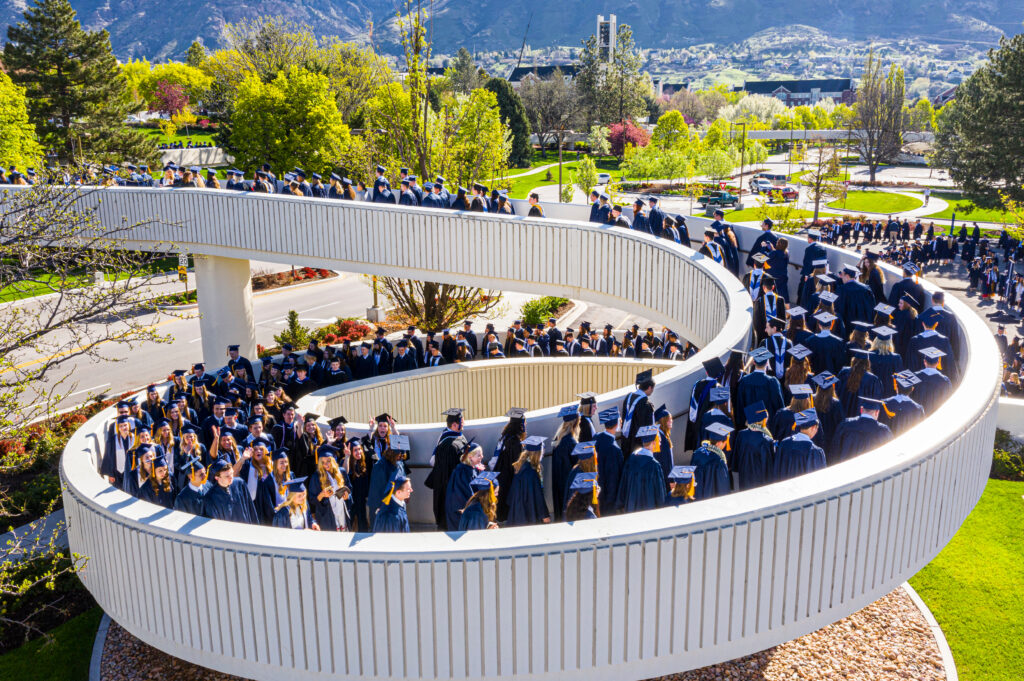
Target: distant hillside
(143, 28)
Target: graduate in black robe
(609, 459)
(510, 446)
(228, 497)
(901, 412)
(797, 454)
(561, 456)
(935, 386)
(584, 457)
(637, 411)
(526, 504)
(392, 516)
(643, 482)
(159, 488)
(190, 498)
(682, 485)
(861, 433)
(856, 302)
(459, 491)
(857, 381)
(828, 351)
(758, 386)
(752, 450)
(907, 286)
(481, 510)
(584, 500)
(711, 472)
(387, 468)
(717, 414)
(445, 458)
(294, 512)
(359, 478)
(330, 492)
(699, 402)
(828, 408)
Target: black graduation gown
(933, 389)
(561, 464)
(905, 330)
(664, 454)
(856, 302)
(714, 415)
(322, 511)
(828, 424)
(392, 517)
(869, 387)
(643, 415)
(829, 353)
(446, 458)
(526, 505)
(795, 456)
(884, 366)
(511, 448)
(930, 339)
(232, 503)
(642, 487)
(757, 386)
(381, 475)
(360, 494)
(609, 470)
(302, 456)
(905, 413)
(858, 435)
(752, 453)
(698, 405)
(458, 493)
(712, 475)
(907, 285)
(473, 518)
(190, 500)
(160, 497)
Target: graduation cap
(534, 443)
(713, 367)
(883, 331)
(825, 279)
(911, 267)
(828, 296)
(221, 400)
(777, 323)
(189, 428)
(797, 311)
(720, 431)
(264, 441)
(805, 418)
(681, 473)
(756, 412)
(310, 417)
(400, 443)
(825, 318)
(719, 395)
(850, 270)
(383, 418)
(585, 483)
(645, 376)
(333, 423)
(569, 412)
(799, 351)
(125, 419)
(759, 258)
(219, 466)
(825, 379)
(159, 461)
(609, 415)
(647, 433)
(861, 352)
(279, 454)
(906, 379)
(295, 485)
(587, 397)
(255, 418)
(192, 465)
(800, 390)
(909, 299)
(178, 372)
(453, 411)
(932, 354)
(484, 480)
(869, 403)
(761, 355)
(584, 450)
(930, 317)
(882, 308)
(327, 450)
(863, 326)
(872, 256)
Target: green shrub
(294, 333)
(36, 497)
(538, 310)
(1007, 458)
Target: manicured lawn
(975, 587)
(196, 134)
(522, 185)
(801, 175)
(44, 283)
(964, 211)
(750, 214)
(64, 658)
(877, 202)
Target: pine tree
(77, 95)
(513, 115)
(196, 54)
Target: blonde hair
(329, 471)
(291, 502)
(571, 428)
(533, 458)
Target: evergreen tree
(464, 75)
(979, 136)
(613, 91)
(78, 97)
(513, 116)
(196, 54)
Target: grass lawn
(877, 202)
(46, 283)
(521, 186)
(799, 177)
(751, 214)
(197, 134)
(975, 587)
(963, 210)
(64, 658)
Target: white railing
(625, 597)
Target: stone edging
(96, 661)
(948, 663)
(257, 294)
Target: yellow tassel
(726, 447)
(494, 498)
(593, 494)
(939, 365)
(657, 445)
(886, 408)
(387, 499)
(691, 488)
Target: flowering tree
(626, 133)
(169, 98)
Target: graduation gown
(902, 413)
(561, 464)
(642, 487)
(526, 505)
(190, 500)
(323, 509)
(828, 423)
(752, 452)
(637, 412)
(664, 453)
(796, 455)
(446, 458)
(905, 330)
(511, 448)
(473, 518)
(283, 518)
(858, 435)
(829, 353)
(360, 495)
(933, 389)
(458, 493)
(609, 470)
(757, 386)
(159, 497)
(712, 474)
(856, 302)
(930, 339)
(869, 386)
(711, 416)
(232, 503)
(392, 517)
(698, 406)
(381, 475)
(884, 366)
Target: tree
(671, 131)
(784, 215)
(716, 164)
(597, 140)
(820, 179)
(196, 54)
(469, 142)
(291, 121)
(169, 98)
(621, 135)
(77, 95)
(921, 116)
(17, 135)
(753, 108)
(464, 75)
(413, 29)
(194, 83)
(612, 91)
(878, 114)
(432, 306)
(978, 135)
(700, 105)
(513, 116)
(586, 175)
(552, 104)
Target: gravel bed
(887, 640)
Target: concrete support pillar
(225, 308)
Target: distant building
(521, 73)
(798, 92)
(668, 85)
(945, 97)
(606, 34)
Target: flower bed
(298, 275)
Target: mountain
(138, 28)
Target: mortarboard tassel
(885, 407)
(494, 498)
(593, 493)
(387, 498)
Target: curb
(97, 648)
(948, 664)
(47, 296)
(257, 294)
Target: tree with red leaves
(622, 134)
(169, 98)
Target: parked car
(788, 193)
(721, 198)
(759, 184)
(604, 178)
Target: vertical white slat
(696, 590)
(740, 578)
(473, 623)
(411, 653)
(554, 605)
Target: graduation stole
(631, 407)
(696, 401)
(771, 300)
(711, 448)
(754, 287)
(780, 354)
(761, 428)
(716, 251)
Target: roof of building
(767, 87)
(520, 72)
